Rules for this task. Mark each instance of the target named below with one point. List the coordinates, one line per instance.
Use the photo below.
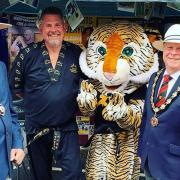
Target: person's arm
(19, 41)
(17, 153)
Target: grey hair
(49, 11)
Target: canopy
(100, 7)
(20, 7)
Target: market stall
(23, 18)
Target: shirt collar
(174, 76)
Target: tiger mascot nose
(114, 46)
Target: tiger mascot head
(120, 57)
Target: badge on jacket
(2, 110)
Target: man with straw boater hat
(159, 143)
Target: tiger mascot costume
(118, 62)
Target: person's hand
(20, 39)
(17, 156)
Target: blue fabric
(50, 95)
(67, 158)
(161, 144)
(9, 128)
(3, 153)
(147, 172)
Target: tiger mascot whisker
(118, 61)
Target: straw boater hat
(4, 25)
(172, 36)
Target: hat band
(172, 38)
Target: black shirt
(49, 94)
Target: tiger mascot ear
(153, 34)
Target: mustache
(54, 33)
(175, 58)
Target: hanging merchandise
(21, 34)
(73, 14)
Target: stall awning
(102, 8)
(21, 8)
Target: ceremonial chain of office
(168, 101)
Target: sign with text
(23, 21)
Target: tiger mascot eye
(118, 61)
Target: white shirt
(171, 82)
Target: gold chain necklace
(154, 119)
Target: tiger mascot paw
(87, 99)
(116, 107)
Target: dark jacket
(161, 144)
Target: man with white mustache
(47, 75)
